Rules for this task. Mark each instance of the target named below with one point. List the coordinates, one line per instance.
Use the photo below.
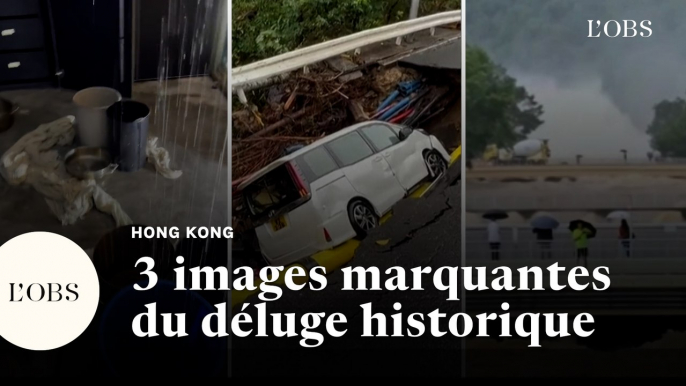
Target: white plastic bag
(159, 157)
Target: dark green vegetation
(498, 111)
(262, 29)
(668, 129)
(549, 37)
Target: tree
(498, 111)
(668, 128)
(262, 29)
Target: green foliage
(498, 111)
(668, 129)
(262, 29)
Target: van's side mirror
(404, 133)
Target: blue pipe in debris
(388, 100)
(412, 100)
(409, 87)
(409, 83)
(391, 112)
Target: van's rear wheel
(362, 217)
(435, 164)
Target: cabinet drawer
(21, 34)
(19, 7)
(23, 66)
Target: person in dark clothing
(494, 239)
(495, 251)
(625, 237)
(545, 239)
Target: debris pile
(324, 99)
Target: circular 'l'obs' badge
(49, 291)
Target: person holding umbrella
(543, 228)
(545, 239)
(625, 237)
(493, 230)
(581, 232)
(625, 233)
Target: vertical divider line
(229, 154)
(463, 177)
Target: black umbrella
(584, 224)
(495, 215)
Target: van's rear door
(275, 201)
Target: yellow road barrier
(456, 155)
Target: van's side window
(319, 162)
(381, 136)
(350, 148)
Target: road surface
(421, 232)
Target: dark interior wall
(183, 31)
(91, 51)
(87, 36)
(28, 43)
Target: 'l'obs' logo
(37, 292)
(614, 28)
(49, 291)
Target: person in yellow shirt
(580, 235)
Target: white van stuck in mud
(338, 187)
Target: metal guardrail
(615, 161)
(653, 241)
(254, 74)
(608, 225)
(480, 202)
(637, 249)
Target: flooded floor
(191, 124)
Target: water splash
(181, 104)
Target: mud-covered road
(421, 232)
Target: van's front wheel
(362, 217)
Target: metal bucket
(128, 122)
(91, 115)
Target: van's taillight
(327, 236)
(299, 183)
